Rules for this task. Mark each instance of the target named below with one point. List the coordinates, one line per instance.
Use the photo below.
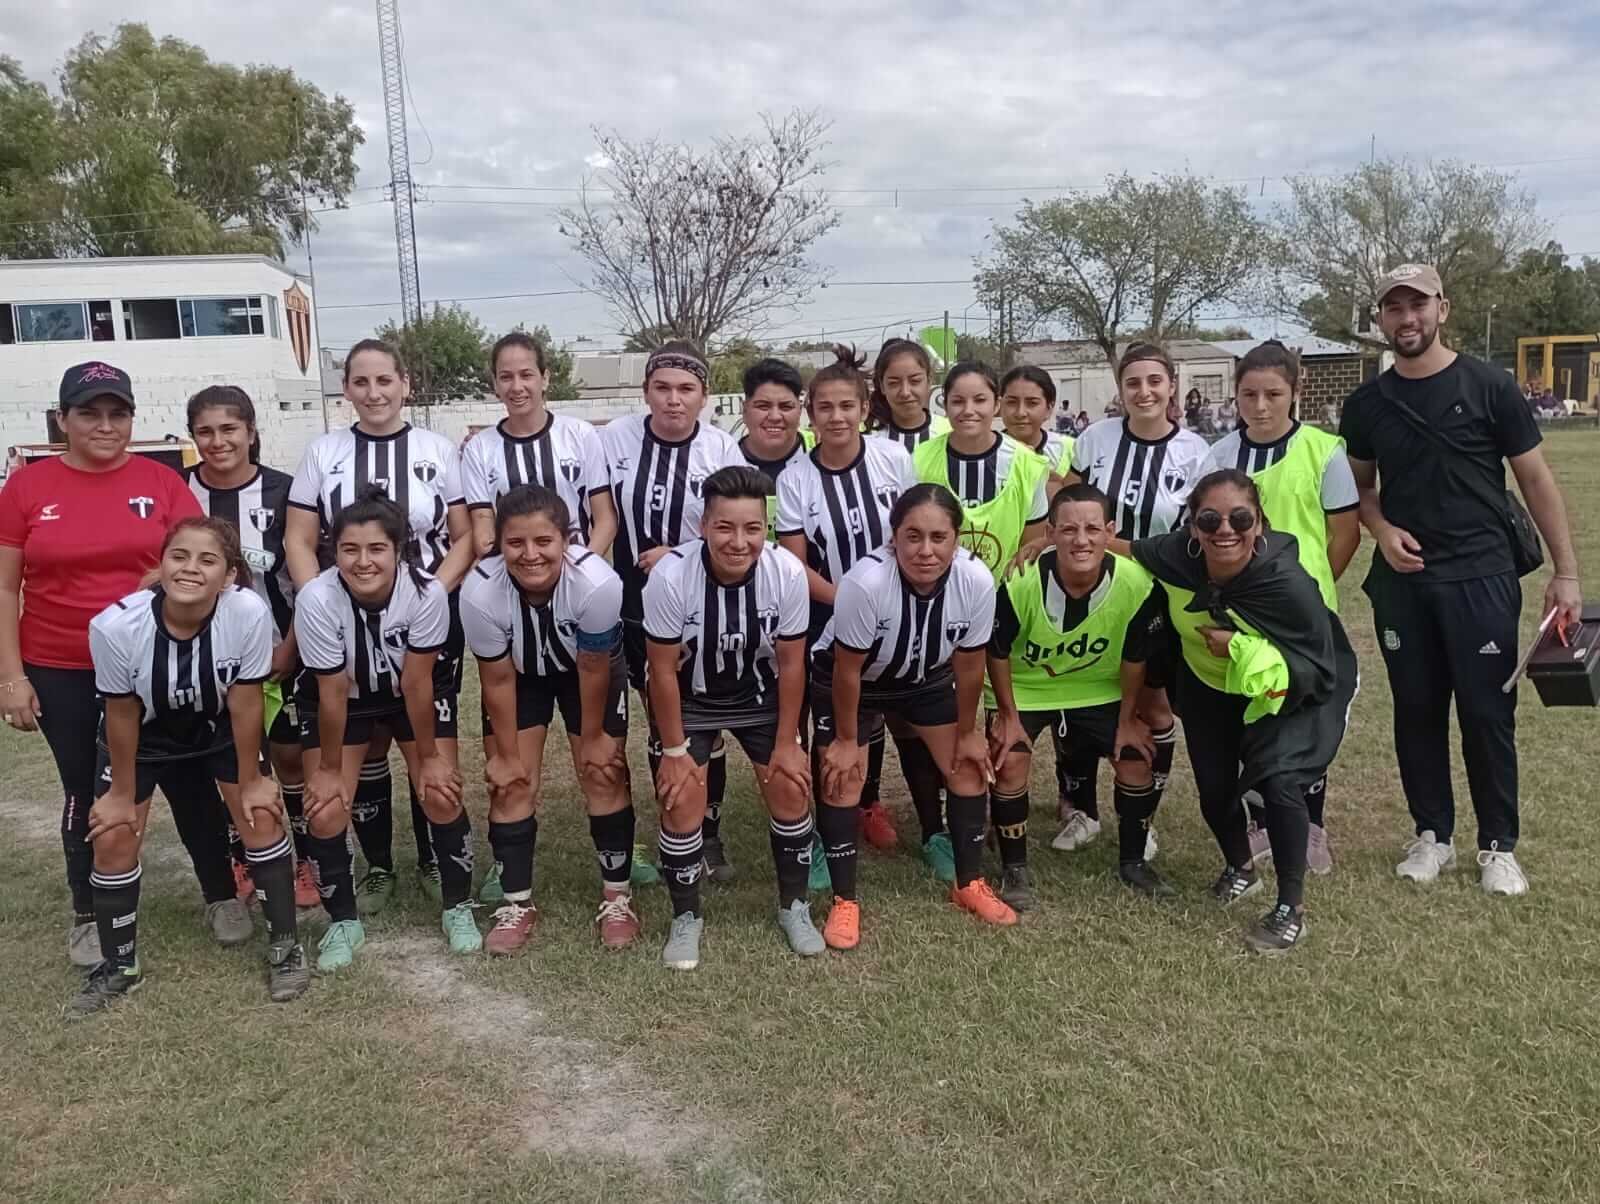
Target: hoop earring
(1261, 545)
(1193, 548)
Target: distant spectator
(1227, 416)
(1113, 410)
(1081, 422)
(1192, 404)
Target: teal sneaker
(491, 893)
(643, 873)
(375, 891)
(428, 880)
(940, 857)
(802, 934)
(337, 948)
(107, 983)
(820, 880)
(682, 950)
(461, 928)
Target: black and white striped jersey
(1147, 480)
(1235, 450)
(977, 479)
(914, 437)
(729, 634)
(417, 469)
(656, 486)
(908, 637)
(337, 634)
(1056, 447)
(844, 513)
(542, 639)
(257, 509)
(565, 456)
(182, 685)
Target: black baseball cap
(82, 383)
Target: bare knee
(1135, 775)
(116, 851)
(328, 823)
(785, 799)
(1014, 773)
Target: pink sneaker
(1319, 853)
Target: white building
(175, 324)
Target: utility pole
(1488, 334)
(945, 347)
(401, 189)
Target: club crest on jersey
(956, 632)
(262, 519)
(696, 480)
(568, 628)
(144, 507)
(394, 638)
(768, 619)
(228, 671)
(887, 496)
(572, 470)
(1173, 480)
(425, 471)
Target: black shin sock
(422, 833)
(1010, 816)
(335, 879)
(968, 821)
(1316, 799)
(613, 847)
(872, 784)
(372, 814)
(716, 789)
(202, 823)
(452, 842)
(1166, 743)
(272, 870)
(924, 782)
(116, 915)
(682, 858)
(1135, 805)
(837, 825)
(1077, 773)
(294, 803)
(791, 856)
(513, 844)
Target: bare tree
(693, 245)
(1139, 256)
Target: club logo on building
(297, 309)
(261, 519)
(144, 507)
(228, 671)
(572, 470)
(425, 471)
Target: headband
(678, 359)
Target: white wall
(1091, 386)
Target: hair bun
(846, 354)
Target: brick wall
(1326, 381)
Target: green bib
(1054, 670)
(992, 531)
(1291, 494)
(1213, 670)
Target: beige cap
(1419, 276)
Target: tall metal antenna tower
(401, 188)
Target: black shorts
(538, 698)
(757, 739)
(358, 729)
(633, 650)
(1161, 663)
(932, 703)
(284, 729)
(175, 777)
(1091, 727)
(453, 656)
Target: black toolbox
(1567, 674)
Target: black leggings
(1213, 730)
(69, 717)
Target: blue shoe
(337, 948)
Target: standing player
(906, 643)
(371, 630)
(902, 383)
(1071, 634)
(544, 619)
(726, 619)
(231, 485)
(1027, 403)
(1308, 491)
(180, 666)
(420, 471)
(532, 445)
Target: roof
(1083, 351)
(1305, 344)
(146, 260)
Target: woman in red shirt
(77, 532)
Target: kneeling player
(1071, 634)
(725, 617)
(544, 619)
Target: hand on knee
(966, 780)
(329, 822)
(1014, 773)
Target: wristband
(677, 750)
(1558, 577)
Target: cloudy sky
(964, 108)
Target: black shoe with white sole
(1234, 884)
(1142, 877)
(1279, 931)
(718, 868)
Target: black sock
(453, 844)
(79, 853)
(1010, 816)
(372, 814)
(838, 828)
(116, 915)
(1316, 797)
(273, 872)
(335, 878)
(513, 845)
(924, 782)
(682, 856)
(294, 803)
(1135, 805)
(613, 846)
(872, 784)
(422, 833)
(791, 856)
(653, 755)
(1166, 743)
(1077, 774)
(968, 825)
(716, 789)
(201, 818)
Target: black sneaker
(1016, 888)
(106, 984)
(1234, 884)
(1279, 931)
(1142, 877)
(288, 976)
(718, 868)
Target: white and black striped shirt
(977, 479)
(542, 640)
(656, 486)
(909, 637)
(257, 509)
(182, 685)
(843, 513)
(565, 455)
(337, 634)
(419, 470)
(1235, 450)
(1056, 448)
(1147, 480)
(729, 634)
(911, 438)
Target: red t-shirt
(86, 538)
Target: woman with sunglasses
(1259, 685)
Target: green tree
(153, 149)
(647, 339)
(558, 362)
(986, 349)
(1543, 295)
(1142, 254)
(728, 364)
(447, 352)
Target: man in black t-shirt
(1436, 428)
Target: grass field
(1425, 1045)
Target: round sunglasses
(1240, 518)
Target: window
(51, 321)
(272, 316)
(8, 327)
(155, 318)
(208, 318)
(102, 329)
(1210, 387)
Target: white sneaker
(1499, 873)
(1426, 858)
(1079, 830)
